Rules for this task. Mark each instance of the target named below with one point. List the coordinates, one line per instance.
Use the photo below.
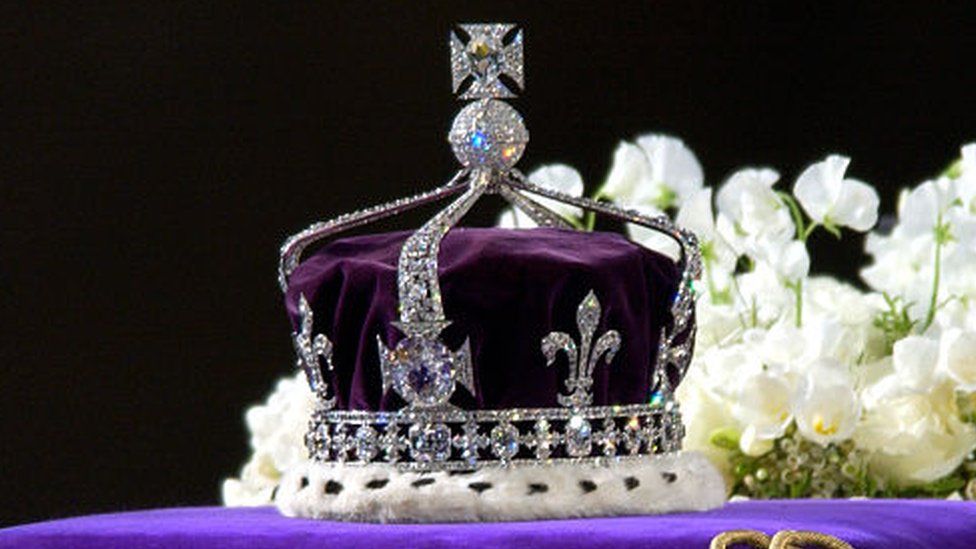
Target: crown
(429, 412)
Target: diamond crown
(488, 137)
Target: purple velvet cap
(505, 290)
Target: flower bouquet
(801, 386)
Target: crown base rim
(656, 484)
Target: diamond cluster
(488, 134)
(484, 58)
(452, 439)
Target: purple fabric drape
(871, 524)
(505, 290)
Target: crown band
(458, 440)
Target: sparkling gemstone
(319, 442)
(469, 442)
(578, 437)
(489, 134)
(429, 442)
(423, 371)
(633, 435)
(390, 443)
(504, 440)
(608, 437)
(367, 444)
(484, 59)
(543, 439)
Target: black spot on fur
(538, 488)
(460, 473)
(378, 483)
(422, 482)
(332, 487)
(480, 486)
(631, 483)
(274, 493)
(669, 477)
(304, 483)
(587, 486)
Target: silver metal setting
(429, 433)
(582, 360)
(445, 439)
(485, 57)
(309, 348)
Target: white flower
(753, 444)
(760, 296)
(967, 178)
(914, 359)
(706, 415)
(825, 406)
(558, 177)
(658, 171)
(750, 212)
(916, 437)
(277, 432)
(920, 209)
(696, 215)
(628, 182)
(675, 172)
(831, 200)
(957, 357)
(762, 403)
(717, 323)
(789, 260)
(259, 477)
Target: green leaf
(726, 438)
(831, 228)
(954, 170)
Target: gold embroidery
(784, 539)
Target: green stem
(589, 221)
(802, 234)
(798, 290)
(712, 290)
(936, 275)
(806, 233)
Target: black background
(155, 156)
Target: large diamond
(367, 444)
(579, 437)
(483, 58)
(423, 371)
(504, 441)
(429, 442)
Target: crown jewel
(430, 431)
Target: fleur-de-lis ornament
(582, 360)
(309, 348)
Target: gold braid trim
(784, 539)
(754, 538)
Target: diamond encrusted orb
(429, 442)
(488, 134)
(423, 371)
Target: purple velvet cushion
(874, 524)
(505, 290)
